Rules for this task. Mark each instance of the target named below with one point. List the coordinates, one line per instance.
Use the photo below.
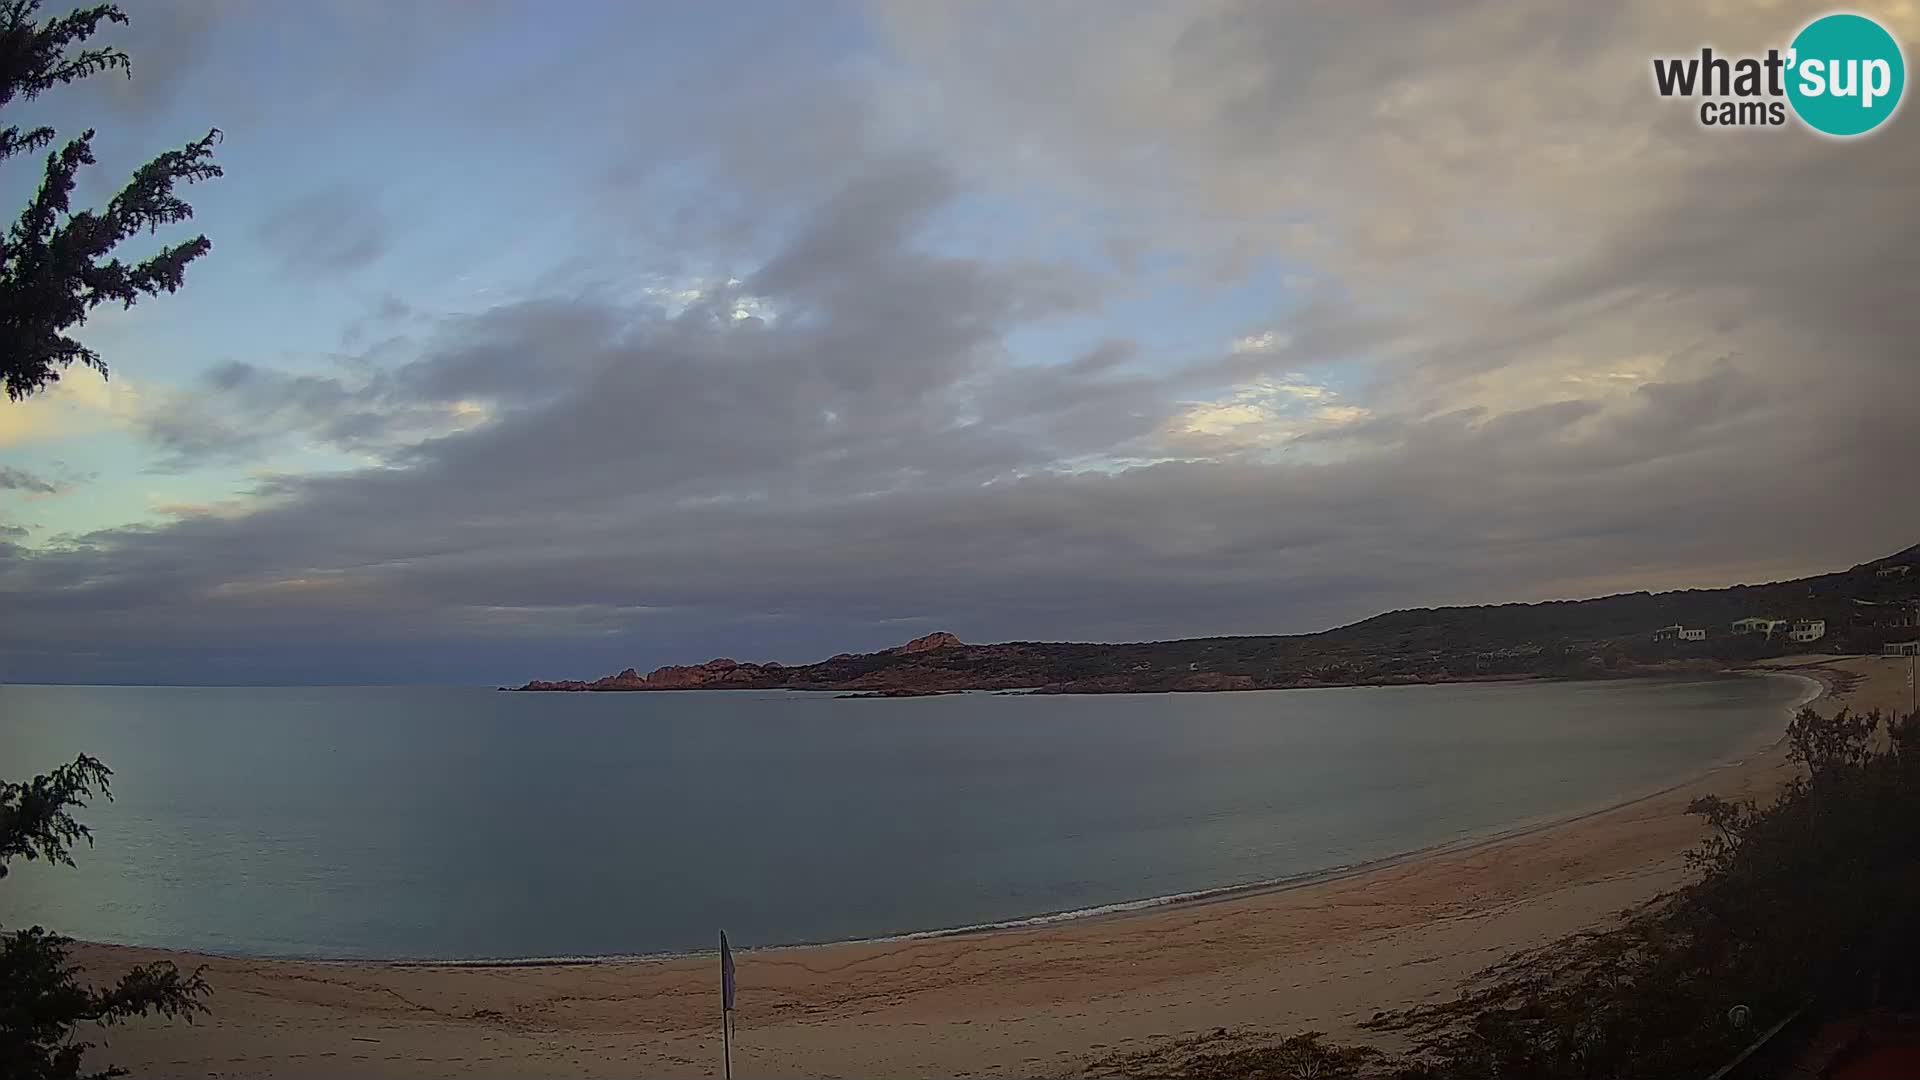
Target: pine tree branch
(34, 818)
(14, 141)
(33, 55)
(55, 271)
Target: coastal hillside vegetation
(1802, 911)
(1859, 610)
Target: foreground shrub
(1804, 906)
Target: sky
(546, 340)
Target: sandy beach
(1030, 1001)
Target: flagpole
(726, 1008)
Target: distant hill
(1862, 607)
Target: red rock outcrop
(939, 639)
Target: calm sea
(464, 823)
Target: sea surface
(407, 822)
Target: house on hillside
(1677, 632)
(1758, 625)
(1900, 648)
(1893, 571)
(1807, 630)
(1693, 635)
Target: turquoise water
(464, 823)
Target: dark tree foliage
(34, 823)
(43, 999)
(56, 263)
(1804, 903)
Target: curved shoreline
(1120, 909)
(1817, 689)
(1016, 1001)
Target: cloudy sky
(541, 340)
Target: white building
(1693, 635)
(1900, 648)
(1669, 633)
(1892, 571)
(1807, 630)
(1757, 625)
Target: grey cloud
(875, 343)
(12, 479)
(335, 230)
(512, 357)
(1518, 148)
(1462, 508)
(1104, 356)
(1605, 351)
(239, 412)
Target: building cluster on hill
(1873, 607)
(1800, 631)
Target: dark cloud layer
(1605, 351)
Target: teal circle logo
(1846, 74)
